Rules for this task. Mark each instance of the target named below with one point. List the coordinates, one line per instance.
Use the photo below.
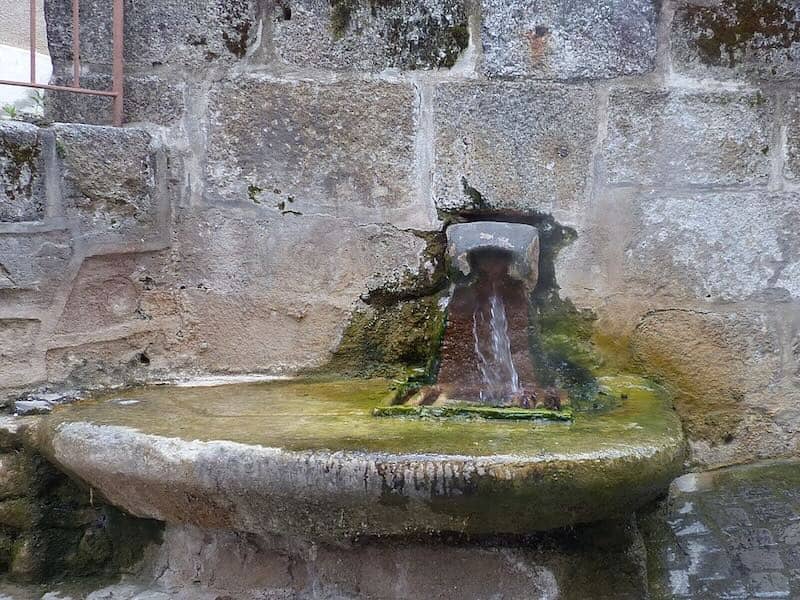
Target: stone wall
(285, 159)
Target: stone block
(724, 246)
(22, 194)
(721, 367)
(342, 150)
(32, 266)
(514, 146)
(118, 290)
(553, 39)
(148, 99)
(109, 182)
(737, 39)
(370, 36)
(683, 138)
(276, 293)
(19, 362)
(193, 32)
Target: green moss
(732, 27)
(390, 340)
(473, 412)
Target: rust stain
(538, 42)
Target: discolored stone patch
(368, 35)
(512, 145)
(552, 39)
(734, 38)
(22, 196)
(677, 137)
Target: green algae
(337, 415)
(473, 412)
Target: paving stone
(553, 39)
(688, 138)
(725, 567)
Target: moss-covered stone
(474, 412)
(726, 31)
(390, 340)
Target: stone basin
(307, 458)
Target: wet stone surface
(733, 534)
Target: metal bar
(76, 44)
(117, 86)
(60, 88)
(33, 40)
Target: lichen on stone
(733, 27)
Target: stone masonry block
(717, 246)
(737, 39)
(109, 182)
(343, 150)
(512, 145)
(33, 266)
(190, 32)
(22, 194)
(574, 39)
(148, 99)
(370, 36)
(682, 138)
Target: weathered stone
(520, 240)
(33, 266)
(512, 146)
(694, 542)
(731, 39)
(148, 98)
(716, 246)
(32, 407)
(370, 36)
(724, 370)
(290, 280)
(162, 32)
(552, 39)
(132, 359)
(22, 195)
(109, 182)
(19, 361)
(118, 290)
(677, 138)
(342, 150)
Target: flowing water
(499, 378)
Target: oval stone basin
(307, 458)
